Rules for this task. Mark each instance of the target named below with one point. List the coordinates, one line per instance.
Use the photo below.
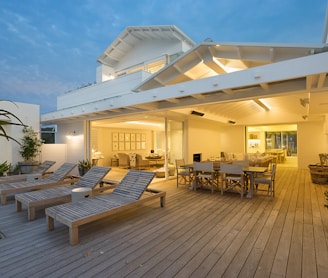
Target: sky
(49, 47)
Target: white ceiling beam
(321, 80)
(173, 100)
(208, 59)
(309, 82)
(198, 96)
(228, 91)
(264, 86)
(271, 54)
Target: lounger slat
(44, 167)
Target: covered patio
(197, 234)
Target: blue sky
(48, 47)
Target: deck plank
(197, 234)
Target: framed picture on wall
(133, 137)
(143, 137)
(138, 137)
(121, 136)
(143, 145)
(127, 146)
(115, 136)
(138, 146)
(127, 137)
(133, 146)
(115, 146)
(121, 146)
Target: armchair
(141, 163)
(123, 160)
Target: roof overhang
(133, 35)
(212, 59)
(295, 77)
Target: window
(48, 134)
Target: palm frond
(7, 121)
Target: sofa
(254, 159)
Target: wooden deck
(197, 234)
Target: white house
(158, 90)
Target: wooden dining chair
(268, 180)
(233, 178)
(245, 164)
(204, 175)
(184, 174)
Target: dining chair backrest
(179, 163)
(235, 169)
(273, 171)
(203, 167)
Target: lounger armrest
(158, 193)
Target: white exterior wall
(29, 114)
(311, 140)
(103, 73)
(232, 139)
(119, 86)
(204, 138)
(74, 142)
(54, 152)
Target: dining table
(250, 171)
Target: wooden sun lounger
(42, 170)
(126, 195)
(58, 178)
(63, 194)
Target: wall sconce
(193, 112)
(304, 101)
(71, 134)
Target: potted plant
(30, 147)
(13, 170)
(4, 167)
(84, 166)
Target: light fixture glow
(143, 123)
(261, 104)
(71, 134)
(193, 112)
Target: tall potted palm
(29, 149)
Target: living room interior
(145, 137)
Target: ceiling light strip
(261, 104)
